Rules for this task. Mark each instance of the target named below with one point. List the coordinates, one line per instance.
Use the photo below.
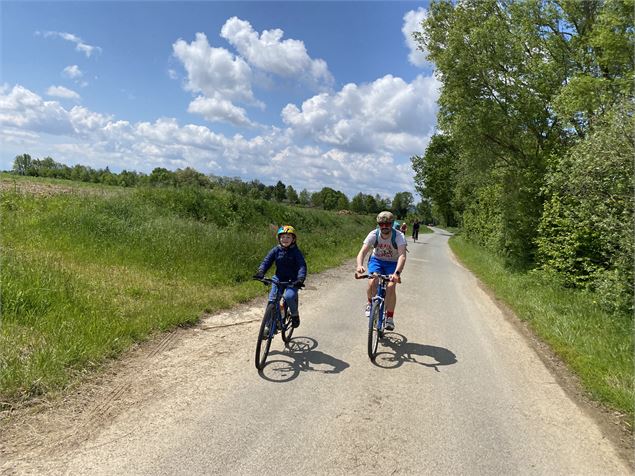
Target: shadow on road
(401, 351)
(300, 356)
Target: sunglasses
(385, 225)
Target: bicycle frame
(379, 299)
(279, 321)
(376, 320)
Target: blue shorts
(381, 266)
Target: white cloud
(72, 72)
(62, 92)
(85, 48)
(220, 76)
(412, 22)
(386, 116)
(80, 135)
(270, 53)
(219, 109)
(23, 109)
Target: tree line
(533, 158)
(327, 198)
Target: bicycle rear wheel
(373, 332)
(264, 338)
(287, 327)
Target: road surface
(456, 389)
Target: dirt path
(458, 389)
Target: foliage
(436, 174)
(522, 84)
(587, 230)
(402, 204)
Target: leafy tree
(357, 203)
(22, 164)
(161, 176)
(292, 195)
(587, 230)
(402, 203)
(304, 197)
(436, 175)
(280, 191)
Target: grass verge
(84, 276)
(596, 345)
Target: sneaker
(390, 324)
(367, 311)
(295, 321)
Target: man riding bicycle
(388, 257)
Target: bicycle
(377, 318)
(276, 318)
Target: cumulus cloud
(412, 22)
(268, 52)
(387, 116)
(72, 72)
(219, 109)
(22, 109)
(80, 45)
(221, 77)
(101, 140)
(62, 92)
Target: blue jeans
(290, 295)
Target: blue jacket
(290, 263)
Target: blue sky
(311, 93)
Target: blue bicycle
(377, 319)
(277, 318)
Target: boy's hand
(259, 275)
(395, 278)
(298, 283)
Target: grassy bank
(84, 275)
(596, 345)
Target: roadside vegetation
(85, 275)
(533, 163)
(595, 344)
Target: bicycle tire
(373, 332)
(287, 327)
(264, 341)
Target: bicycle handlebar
(264, 280)
(374, 275)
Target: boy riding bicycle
(290, 267)
(388, 257)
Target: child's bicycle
(277, 318)
(377, 319)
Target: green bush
(586, 232)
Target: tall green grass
(84, 276)
(597, 346)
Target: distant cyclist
(388, 257)
(290, 267)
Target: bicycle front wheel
(373, 331)
(265, 335)
(287, 327)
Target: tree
(22, 164)
(280, 191)
(436, 175)
(292, 195)
(357, 203)
(402, 203)
(304, 197)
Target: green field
(88, 271)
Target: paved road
(456, 390)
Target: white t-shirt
(384, 249)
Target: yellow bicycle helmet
(286, 229)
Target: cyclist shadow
(300, 356)
(403, 351)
